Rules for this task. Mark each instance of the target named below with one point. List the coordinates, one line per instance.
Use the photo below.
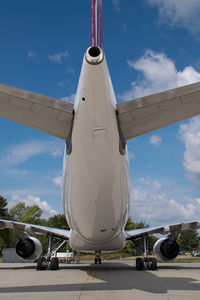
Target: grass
(185, 259)
(116, 256)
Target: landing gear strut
(97, 259)
(50, 260)
(149, 263)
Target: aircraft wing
(143, 115)
(168, 229)
(28, 229)
(43, 113)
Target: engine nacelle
(165, 249)
(30, 248)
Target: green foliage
(188, 240)
(58, 221)
(26, 214)
(130, 225)
(3, 207)
(7, 237)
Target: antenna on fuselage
(97, 23)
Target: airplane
(96, 180)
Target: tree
(6, 235)
(58, 221)
(3, 207)
(26, 214)
(130, 225)
(188, 240)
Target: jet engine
(165, 249)
(30, 248)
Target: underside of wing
(143, 115)
(165, 230)
(43, 113)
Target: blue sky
(150, 45)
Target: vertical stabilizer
(97, 23)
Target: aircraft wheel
(41, 264)
(152, 263)
(139, 264)
(54, 264)
(97, 260)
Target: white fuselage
(96, 175)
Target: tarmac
(110, 280)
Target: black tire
(139, 264)
(41, 264)
(95, 261)
(57, 263)
(153, 263)
(54, 264)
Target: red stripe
(93, 24)
(96, 38)
(101, 25)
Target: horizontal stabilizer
(150, 113)
(43, 113)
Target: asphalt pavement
(110, 280)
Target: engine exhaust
(94, 55)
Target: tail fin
(97, 23)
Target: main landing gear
(97, 259)
(50, 261)
(149, 263)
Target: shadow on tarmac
(113, 276)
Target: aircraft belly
(79, 244)
(97, 200)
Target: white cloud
(20, 153)
(158, 74)
(47, 191)
(33, 200)
(69, 98)
(157, 185)
(150, 203)
(181, 13)
(59, 57)
(146, 181)
(190, 134)
(58, 180)
(155, 140)
(33, 55)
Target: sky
(150, 46)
